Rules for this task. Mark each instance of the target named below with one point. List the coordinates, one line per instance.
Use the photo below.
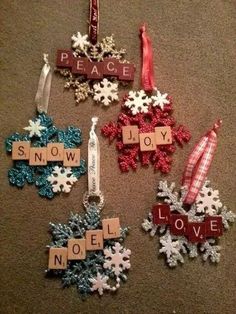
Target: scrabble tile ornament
(94, 68)
(44, 155)
(190, 222)
(88, 251)
(145, 131)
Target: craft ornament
(190, 221)
(45, 156)
(145, 131)
(87, 251)
(94, 68)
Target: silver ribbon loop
(93, 170)
(93, 161)
(44, 86)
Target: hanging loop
(93, 21)
(44, 86)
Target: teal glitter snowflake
(100, 270)
(41, 132)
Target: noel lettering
(95, 70)
(40, 156)
(148, 141)
(196, 232)
(76, 248)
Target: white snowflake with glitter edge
(177, 247)
(35, 128)
(62, 179)
(139, 102)
(117, 260)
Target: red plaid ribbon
(199, 163)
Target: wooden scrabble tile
(94, 70)
(76, 249)
(196, 232)
(71, 157)
(110, 67)
(179, 224)
(55, 151)
(20, 150)
(94, 240)
(111, 228)
(163, 135)
(147, 141)
(130, 134)
(57, 258)
(38, 156)
(161, 214)
(126, 71)
(214, 226)
(64, 58)
(80, 65)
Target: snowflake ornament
(174, 247)
(138, 110)
(105, 92)
(62, 179)
(160, 99)
(52, 178)
(34, 128)
(101, 270)
(138, 102)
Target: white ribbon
(93, 161)
(44, 86)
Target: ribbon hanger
(93, 21)
(199, 163)
(147, 76)
(93, 169)
(44, 86)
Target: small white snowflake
(80, 41)
(169, 247)
(208, 200)
(61, 179)
(138, 102)
(117, 259)
(100, 283)
(160, 100)
(105, 92)
(34, 128)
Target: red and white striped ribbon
(199, 163)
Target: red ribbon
(94, 21)
(199, 163)
(147, 79)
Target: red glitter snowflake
(129, 155)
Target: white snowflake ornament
(34, 128)
(62, 179)
(138, 102)
(80, 41)
(208, 200)
(100, 283)
(169, 247)
(105, 92)
(160, 100)
(117, 259)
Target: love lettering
(39, 156)
(147, 141)
(95, 70)
(196, 232)
(76, 248)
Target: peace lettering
(147, 141)
(196, 232)
(76, 248)
(95, 70)
(39, 156)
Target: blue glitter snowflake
(99, 271)
(41, 132)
